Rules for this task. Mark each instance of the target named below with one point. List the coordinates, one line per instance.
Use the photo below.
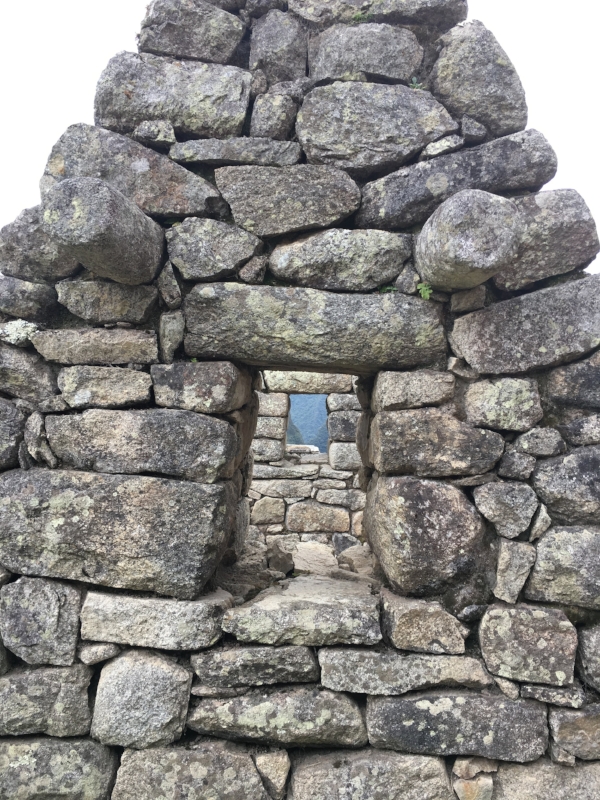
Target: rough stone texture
(410, 195)
(25, 299)
(158, 133)
(515, 560)
(199, 100)
(368, 127)
(104, 387)
(270, 201)
(474, 76)
(268, 511)
(469, 238)
(318, 329)
(394, 391)
(190, 29)
(528, 643)
(541, 442)
(342, 402)
(449, 144)
(274, 767)
(310, 517)
(95, 653)
(559, 235)
(430, 443)
(255, 666)
(17, 332)
(459, 723)
(50, 700)
(271, 428)
(262, 152)
(216, 387)
(39, 620)
(342, 425)
(149, 534)
(478, 788)
(301, 383)
(572, 696)
(297, 717)
(510, 506)
(567, 568)
(268, 449)
(41, 767)
(312, 611)
(342, 260)
(223, 769)
(282, 487)
(25, 375)
(273, 117)
(577, 731)
(420, 626)
(96, 346)
(440, 14)
(425, 534)
(152, 181)
(505, 404)
(102, 302)
(141, 700)
(570, 486)
(206, 250)
(547, 780)
(168, 287)
(582, 432)
(369, 774)
(12, 424)
(278, 47)
(576, 384)
(535, 330)
(171, 330)
(589, 655)
(154, 622)
(469, 300)
(172, 442)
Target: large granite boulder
(137, 532)
(25, 375)
(511, 404)
(545, 779)
(570, 486)
(576, 384)
(231, 667)
(315, 329)
(278, 47)
(12, 426)
(257, 151)
(95, 346)
(103, 387)
(212, 387)
(107, 302)
(439, 14)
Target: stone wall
(289, 189)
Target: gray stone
(270, 201)
(222, 769)
(294, 716)
(439, 14)
(150, 180)
(576, 384)
(50, 700)
(408, 280)
(509, 506)
(342, 260)
(216, 387)
(421, 626)
(17, 332)
(459, 723)
(547, 780)
(34, 767)
(368, 127)
(255, 666)
(191, 29)
(141, 700)
(102, 302)
(582, 432)
(344, 456)
(313, 611)
(274, 767)
(410, 195)
(516, 466)
(253, 271)
(559, 235)
(474, 76)
(39, 620)
(168, 287)
(478, 788)
(12, 424)
(541, 523)
(157, 133)
(278, 47)
(262, 152)
(515, 560)
(25, 375)
(534, 330)
(282, 487)
(541, 442)
(148, 534)
(268, 511)
(469, 300)
(36, 442)
(449, 144)
(171, 330)
(425, 534)
(342, 425)
(569, 486)
(354, 499)
(271, 427)
(528, 643)
(273, 117)
(577, 731)
(96, 346)
(309, 517)
(570, 696)
(288, 472)
(199, 100)
(469, 238)
(394, 391)
(589, 655)
(25, 299)
(430, 443)
(473, 132)
(342, 402)
(268, 449)
(467, 768)
(154, 622)
(105, 387)
(273, 404)
(305, 383)
(96, 652)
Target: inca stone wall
(288, 188)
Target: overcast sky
(52, 53)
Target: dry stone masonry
(334, 197)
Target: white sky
(53, 51)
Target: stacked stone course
(333, 196)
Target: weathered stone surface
(572, 696)
(282, 487)
(96, 652)
(547, 780)
(32, 768)
(589, 655)
(268, 511)
(96, 346)
(468, 768)
(506, 404)
(449, 144)
(425, 534)
(469, 300)
(293, 716)
(398, 390)
(515, 560)
(535, 330)
(36, 442)
(274, 767)
(261, 152)
(179, 443)
(577, 731)
(39, 620)
(582, 432)
(288, 472)
(430, 443)
(541, 442)
(440, 14)
(420, 626)
(25, 299)
(205, 249)
(369, 127)
(157, 133)
(309, 517)
(528, 643)
(459, 723)
(576, 384)
(216, 387)
(312, 611)
(369, 774)
(255, 666)
(270, 201)
(168, 287)
(150, 534)
(479, 788)
(268, 449)
(474, 76)
(516, 466)
(278, 47)
(190, 29)
(342, 402)
(567, 568)
(273, 117)
(329, 331)
(102, 302)
(153, 622)
(570, 486)
(50, 700)
(221, 768)
(342, 260)
(17, 332)
(105, 387)
(410, 195)
(12, 424)
(25, 375)
(152, 181)
(354, 499)
(304, 383)
(342, 425)
(271, 427)
(141, 700)
(171, 330)
(202, 100)
(510, 506)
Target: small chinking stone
(420, 625)
(12, 425)
(510, 506)
(589, 655)
(515, 560)
(274, 767)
